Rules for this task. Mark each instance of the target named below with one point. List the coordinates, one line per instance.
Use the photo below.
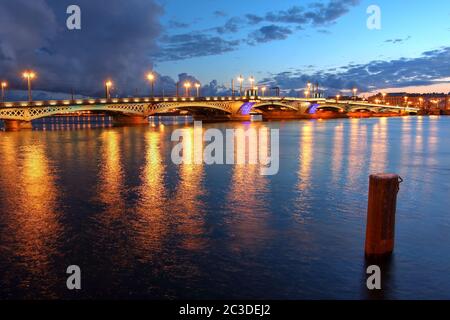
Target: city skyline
(180, 41)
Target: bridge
(136, 110)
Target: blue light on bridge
(313, 108)
(246, 108)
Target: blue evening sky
(423, 25)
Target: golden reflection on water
(248, 219)
(338, 152)
(432, 142)
(357, 151)
(110, 225)
(111, 172)
(190, 213)
(152, 221)
(379, 145)
(30, 206)
(306, 148)
(419, 135)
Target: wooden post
(383, 189)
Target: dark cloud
(398, 40)
(191, 45)
(317, 14)
(177, 24)
(254, 19)
(219, 13)
(269, 33)
(231, 26)
(116, 40)
(425, 70)
(212, 41)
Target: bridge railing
(93, 101)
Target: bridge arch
(274, 104)
(319, 107)
(33, 113)
(219, 106)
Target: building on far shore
(428, 102)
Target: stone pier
(17, 125)
(125, 120)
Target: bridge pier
(17, 125)
(220, 117)
(283, 115)
(125, 120)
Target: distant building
(430, 102)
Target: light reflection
(152, 222)
(378, 158)
(338, 151)
(190, 211)
(306, 154)
(31, 209)
(247, 196)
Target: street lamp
(197, 86)
(29, 75)
(406, 100)
(187, 85)
(384, 97)
(4, 86)
(252, 80)
(151, 78)
(241, 81)
(337, 98)
(263, 90)
(355, 91)
(306, 93)
(108, 85)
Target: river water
(111, 201)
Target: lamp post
(108, 85)
(406, 100)
(263, 90)
(29, 75)
(4, 86)
(308, 86)
(151, 78)
(241, 81)
(197, 86)
(337, 98)
(187, 86)
(384, 97)
(306, 93)
(252, 80)
(355, 91)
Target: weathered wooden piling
(383, 190)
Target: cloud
(430, 68)
(317, 14)
(231, 26)
(219, 13)
(212, 41)
(191, 45)
(398, 40)
(178, 24)
(115, 41)
(269, 33)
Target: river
(110, 200)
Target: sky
(282, 43)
